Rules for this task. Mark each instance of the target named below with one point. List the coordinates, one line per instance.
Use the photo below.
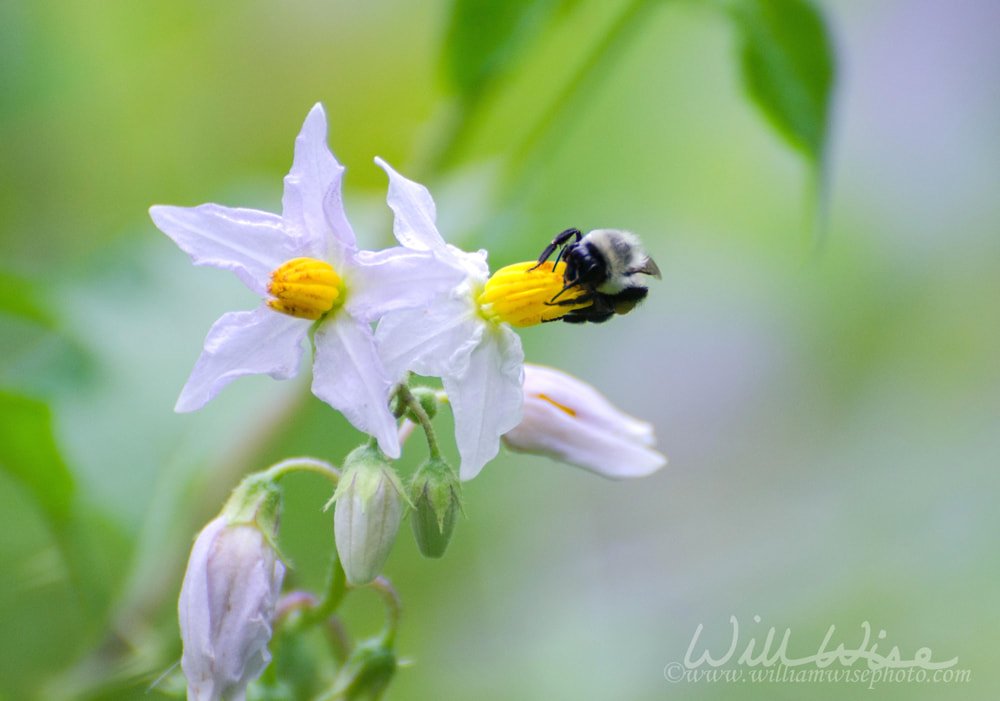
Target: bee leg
(600, 310)
(588, 314)
(577, 315)
(573, 318)
(569, 284)
(596, 313)
(563, 240)
(626, 300)
(586, 297)
(560, 240)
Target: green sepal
(436, 494)
(363, 470)
(256, 501)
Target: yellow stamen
(525, 297)
(557, 405)
(304, 287)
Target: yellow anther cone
(524, 294)
(304, 287)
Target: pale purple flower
(226, 609)
(347, 371)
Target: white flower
(568, 420)
(226, 607)
(308, 260)
(478, 359)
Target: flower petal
(248, 242)
(601, 452)
(590, 406)
(472, 263)
(568, 420)
(433, 341)
(312, 204)
(395, 279)
(348, 375)
(245, 343)
(487, 398)
(415, 212)
(194, 605)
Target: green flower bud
(369, 506)
(367, 672)
(436, 495)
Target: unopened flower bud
(568, 420)
(367, 672)
(227, 600)
(436, 495)
(369, 506)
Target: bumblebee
(606, 264)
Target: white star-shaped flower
(306, 265)
(465, 336)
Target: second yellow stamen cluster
(524, 294)
(304, 287)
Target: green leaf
(56, 585)
(18, 299)
(28, 452)
(37, 358)
(483, 38)
(788, 67)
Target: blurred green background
(828, 394)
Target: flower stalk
(418, 411)
(393, 609)
(302, 464)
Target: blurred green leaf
(37, 357)
(788, 67)
(484, 38)
(17, 298)
(56, 585)
(28, 452)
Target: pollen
(526, 294)
(304, 287)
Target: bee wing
(650, 268)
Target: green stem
(336, 588)
(413, 404)
(337, 637)
(291, 602)
(303, 464)
(457, 122)
(465, 114)
(614, 38)
(393, 609)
